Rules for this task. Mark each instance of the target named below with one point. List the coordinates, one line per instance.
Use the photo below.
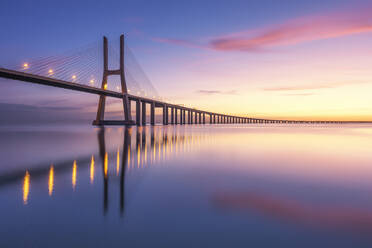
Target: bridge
(171, 113)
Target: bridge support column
(143, 113)
(184, 116)
(165, 114)
(203, 118)
(181, 116)
(152, 113)
(172, 115)
(138, 112)
(175, 116)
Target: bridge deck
(36, 79)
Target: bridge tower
(100, 119)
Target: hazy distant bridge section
(88, 71)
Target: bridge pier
(138, 112)
(172, 115)
(184, 116)
(152, 113)
(165, 114)
(175, 116)
(144, 113)
(181, 117)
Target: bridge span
(171, 113)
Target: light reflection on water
(307, 185)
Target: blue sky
(173, 41)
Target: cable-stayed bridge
(88, 70)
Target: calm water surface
(186, 186)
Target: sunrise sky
(273, 59)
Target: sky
(307, 60)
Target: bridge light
(117, 87)
(91, 81)
(50, 72)
(25, 66)
(105, 86)
(138, 93)
(128, 90)
(74, 77)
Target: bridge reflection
(141, 148)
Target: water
(186, 186)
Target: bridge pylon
(100, 119)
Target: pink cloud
(294, 31)
(299, 30)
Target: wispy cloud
(215, 92)
(294, 31)
(299, 94)
(179, 42)
(133, 20)
(314, 87)
(295, 88)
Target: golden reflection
(74, 169)
(163, 147)
(138, 156)
(26, 187)
(128, 157)
(159, 150)
(154, 153)
(117, 162)
(92, 170)
(51, 180)
(105, 169)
